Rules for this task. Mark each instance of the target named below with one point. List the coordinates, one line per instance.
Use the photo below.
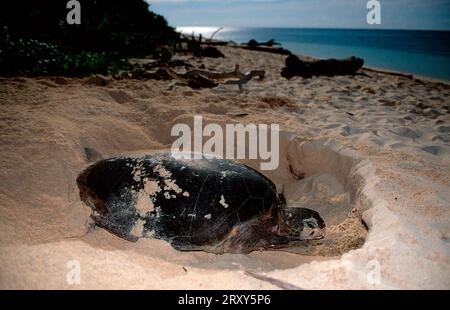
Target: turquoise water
(414, 51)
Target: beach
(373, 150)
(417, 52)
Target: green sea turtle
(213, 205)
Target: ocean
(419, 52)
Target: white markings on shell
(224, 174)
(222, 202)
(158, 211)
(144, 204)
(137, 171)
(227, 173)
(150, 234)
(167, 195)
(138, 228)
(208, 216)
(146, 197)
(137, 175)
(151, 187)
(162, 172)
(171, 185)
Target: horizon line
(324, 28)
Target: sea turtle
(213, 205)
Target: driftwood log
(206, 79)
(195, 47)
(195, 78)
(269, 43)
(328, 67)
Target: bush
(163, 54)
(31, 57)
(36, 39)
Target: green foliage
(31, 57)
(163, 54)
(35, 38)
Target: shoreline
(421, 77)
(407, 75)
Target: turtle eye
(311, 223)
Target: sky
(395, 14)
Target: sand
(373, 150)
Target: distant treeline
(35, 38)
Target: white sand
(388, 161)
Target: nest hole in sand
(322, 176)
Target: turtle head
(301, 224)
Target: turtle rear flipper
(92, 155)
(115, 228)
(253, 235)
(184, 244)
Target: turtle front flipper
(253, 235)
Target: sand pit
(322, 176)
(369, 150)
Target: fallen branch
(246, 78)
(194, 46)
(214, 33)
(208, 79)
(394, 73)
